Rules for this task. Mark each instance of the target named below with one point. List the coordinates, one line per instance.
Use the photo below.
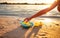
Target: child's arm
(43, 11)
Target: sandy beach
(11, 28)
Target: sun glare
(40, 1)
(31, 1)
(47, 20)
(49, 1)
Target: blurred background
(26, 8)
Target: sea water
(26, 10)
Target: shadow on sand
(34, 30)
(21, 33)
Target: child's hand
(27, 19)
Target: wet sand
(11, 28)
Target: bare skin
(44, 11)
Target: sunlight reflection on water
(25, 10)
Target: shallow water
(25, 10)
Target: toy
(26, 24)
(36, 24)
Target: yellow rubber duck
(36, 24)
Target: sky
(28, 1)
